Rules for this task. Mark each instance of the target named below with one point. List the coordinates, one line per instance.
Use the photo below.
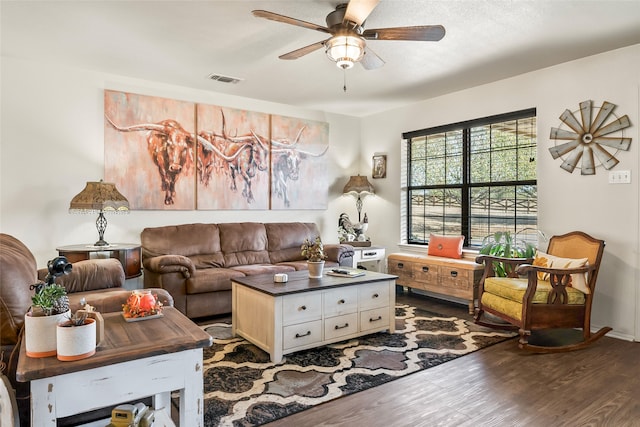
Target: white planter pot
(76, 342)
(40, 334)
(315, 269)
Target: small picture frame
(379, 166)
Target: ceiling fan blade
(295, 54)
(370, 60)
(427, 33)
(288, 20)
(359, 10)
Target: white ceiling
(182, 42)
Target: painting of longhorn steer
(299, 177)
(149, 150)
(232, 158)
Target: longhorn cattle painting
(165, 154)
(298, 166)
(233, 158)
(149, 150)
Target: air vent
(224, 79)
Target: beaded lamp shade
(99, 197)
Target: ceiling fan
(347, 44)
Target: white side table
(369, 253)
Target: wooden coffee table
(152, 357)
(304, 313)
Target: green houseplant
(315, 255)
(507, 245)
(49, 306)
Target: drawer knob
(425, 269)
(375, 296)
(454, 274)
(346, 325)
(400, 265)
(304, 307)
(303, 335)
(371, 319)
(341, 301)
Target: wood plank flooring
(498, 386)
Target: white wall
(566, 201)
(52, 143)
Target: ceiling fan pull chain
(344, 80)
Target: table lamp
(99, 197)
(358, 186)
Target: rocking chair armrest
(489, 260)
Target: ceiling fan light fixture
(345, 50)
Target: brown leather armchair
(98, 281)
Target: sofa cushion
(211, 280)
(285, 239)
(190, 240)
(243, 243)
(302, 265)
(253, 269)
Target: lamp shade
(359, 185)
(97, 197)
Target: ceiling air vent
(224, 79)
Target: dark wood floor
(498, 386)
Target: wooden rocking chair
(552, 291)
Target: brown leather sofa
(196, 262)
(98, 281)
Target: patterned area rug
(243, 388)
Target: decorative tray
(136, 319)
(358, 244)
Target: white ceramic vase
(315, 269)
(76, 342)
(40, 334)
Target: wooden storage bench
(446, 276)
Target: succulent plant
(313, 251)
(50, 298)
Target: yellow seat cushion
(505, 295)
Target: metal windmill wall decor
(587, 138)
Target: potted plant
(76, 337)
(50, 305)
(315, 255)
(506, 244)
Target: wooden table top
(299, 281)
(124, 341)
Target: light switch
(620, 177)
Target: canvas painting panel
(149, 150)
(233, 158)
(299, 178)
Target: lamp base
(101, 242)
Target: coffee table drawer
(374, 319)
(298, 308)
(340, 326)
(340, 301)
(374, 295)
(302, 334)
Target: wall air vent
(224, 79)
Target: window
(472, 178)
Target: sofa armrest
(171, 264)
(339, 252)
(90, 275)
